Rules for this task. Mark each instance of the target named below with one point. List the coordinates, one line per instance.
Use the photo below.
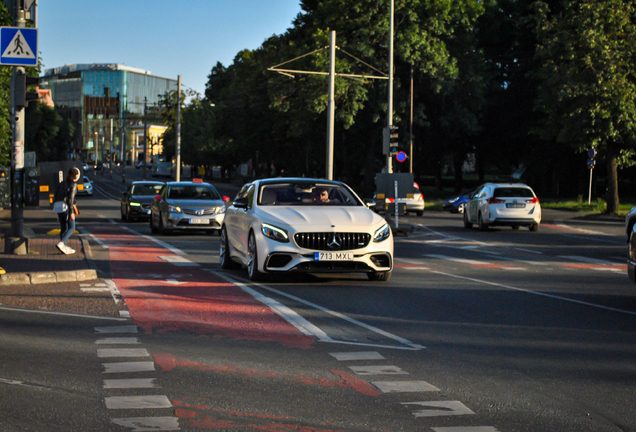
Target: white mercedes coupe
(304, 225)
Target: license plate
(333, 256)
(516, 205)
(199, 221)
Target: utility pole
(411, 127)
(110, 149)
(389, 117)
(178, 144)
(16, 243)
(145, 137)
(332, 105)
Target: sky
(166, 37)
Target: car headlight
(275, 233)
(382, 234)
(220, 210)
(135, 204)
(174, 209)
(453, 200)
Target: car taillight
(420, 198)
(534, 200)
(495, 200)
(391, 200)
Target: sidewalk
(44, 262)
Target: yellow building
(154, 146)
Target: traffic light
(394, 137)
(22, 83)
(5, 187)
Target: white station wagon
(285, 225)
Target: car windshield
(201, 192)
(513, 192)
(306, 194)
(145, 189)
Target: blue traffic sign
(401, 156)
(18, 46)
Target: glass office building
(106, 104)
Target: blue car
(456, 203)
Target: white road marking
(377, 370)
(137, 402)
(21, 384)
(459, 260)
(11, 309)
(155, 240)
(142, 424)
(118, 340)
(177, 260)
(114, 291)
(404, 386)
(465, 429)
(94, 290)
(124, 313)
(129, 383)
(117, 329)
(174, 282)
(98, 241)
(583, 231)
(536, 293)
(588, 260)
(440, 408)
(122, 352)
(362, 355)
(129, 367)
(408, 344)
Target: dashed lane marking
(129, 367)
(356, 356)
(33, 311)
(440, 408)
(137, 402)
(177, 260)
(129, 383)
(404, 386)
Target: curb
(36, 278)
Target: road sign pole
(589, 197)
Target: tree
(587, 51)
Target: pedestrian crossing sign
(18, 46)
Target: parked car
(86, 187)
(188, 205)
(286, 225)
(137, 199)
(631, 256)
(503, 204)
(85, 167)
(414, 201)
(455, 204)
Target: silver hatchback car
(189, 205)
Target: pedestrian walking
(66, 209)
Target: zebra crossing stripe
(129, 383)
(404, 386)
(377, 370)
(117, 329)
(118, 340)
(440, 408)
(129, 367)
(465, 429)
(366, 355)
(137, 402)
(122, 352)
(141, 424)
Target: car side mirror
(226, 198)
(157, 198)
(370, 203)
(240, 203)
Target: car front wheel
(482, 224)
(252, 259)
(379, 276)
(153, 229)
(467, 223)
(224, 252)
(534, 227)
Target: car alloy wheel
(153, 229)
(162, 226)
(482, 225)
(460, 208)
(252, 259)
(224, 252)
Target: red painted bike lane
(164, 297)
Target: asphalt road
(475, 332)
